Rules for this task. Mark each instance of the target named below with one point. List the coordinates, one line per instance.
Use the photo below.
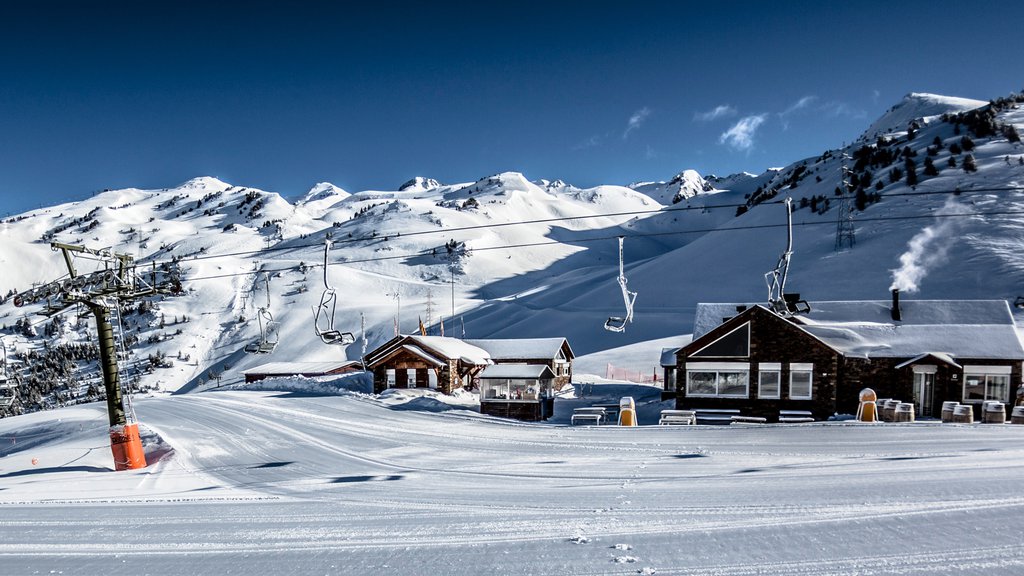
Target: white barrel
(904, 412)
(994, 413)
(963, 414)
(1017, 416)
(947, 410)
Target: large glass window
(800, 381)
(512, 389)
(494, 389)
(983, 383)
(769, 382)
(727, 380)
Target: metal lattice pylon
(846, 234)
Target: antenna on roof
(780, 302)
(617, 323)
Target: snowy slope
(918, 106)
(553, 276)
(273, 483)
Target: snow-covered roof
(521, 348)
(453, 348)
(960, 328)
(518, 371)
(429, 358)
(300, 367)
(942, 356)
(668, 356)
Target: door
(924, 386)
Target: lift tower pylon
(98, 291)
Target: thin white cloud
(636, 120)
(836, 108)
(720, 111)
(799, 105)
(592, 142)
(741, 135)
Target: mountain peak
(419, 183)
(324, 190)
(205, 183)
(918, 105)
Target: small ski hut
(520, 391)
(750, 358)
(307, 369)
(554, 353)
(425, 362)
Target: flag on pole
(442, 325)
(423, 329)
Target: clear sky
(281, 95)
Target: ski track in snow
(262, 482)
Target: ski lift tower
(846, 235)
(99, 291)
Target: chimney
(896, 316)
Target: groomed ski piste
(302, 476)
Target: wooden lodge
(517, 377)
(750, 358)
(413, 361)
(554, 353)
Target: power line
(610, 237)
(666, 210)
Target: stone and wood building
(750, 358)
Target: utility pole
(99, 291)
(846, 235)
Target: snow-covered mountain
(682, 186)
(924, 108)
(509, 257)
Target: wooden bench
(795, 416)
(677, 417)
(597, 415)
(748, 420)
(715, 415)
(611, 411)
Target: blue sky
(280, 96)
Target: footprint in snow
(625, 559)
(647, 570)
(579, 539)
(622, 547)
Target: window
(983, 383)
(769, 380)
(800, 381)
(735, 344)
(511, 389)
(718, 379)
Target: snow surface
(292, 483)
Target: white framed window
(983, 383)
(718, 379)
(769, 380)
(801, 381)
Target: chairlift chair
(268, 327)
(618, 323)
(323, 315)
(778, 300)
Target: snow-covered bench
(715, 415)
(748, 420)
(677, 417)
(795, 416)
(596, 415)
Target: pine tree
(969, 165)
(929, 168)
